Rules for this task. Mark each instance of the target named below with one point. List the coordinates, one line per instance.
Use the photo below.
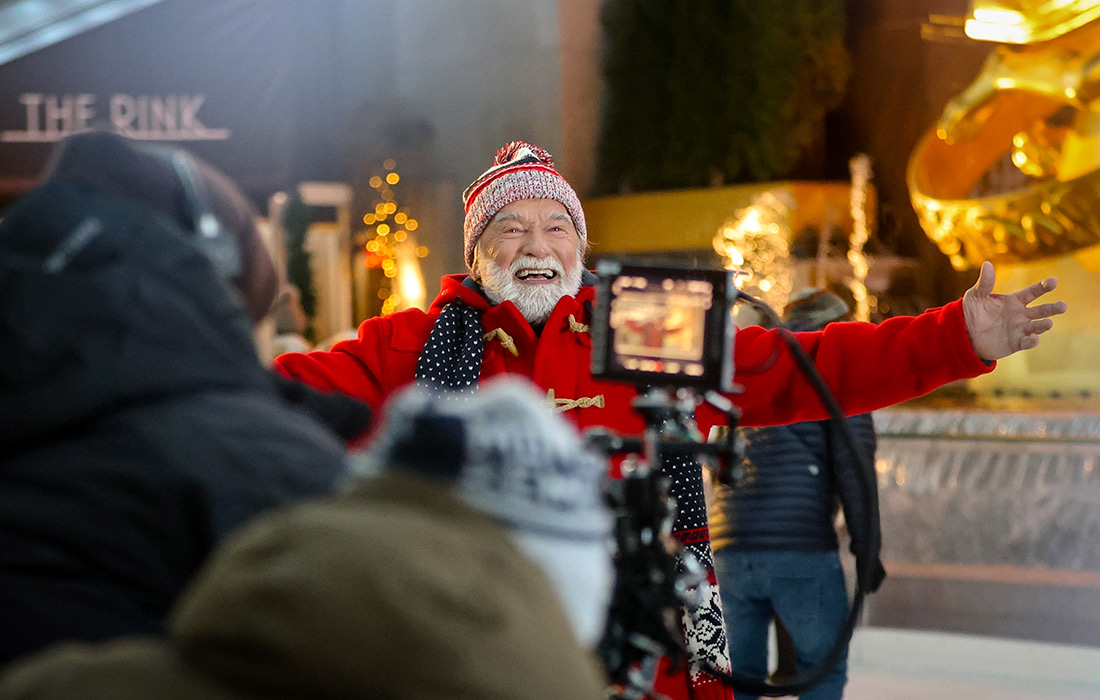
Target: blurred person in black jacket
(774, 535)
(137, 425)
(470, 558)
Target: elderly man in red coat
(525, 308)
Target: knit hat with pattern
(507, 454)
(505, 451)
(520, 171)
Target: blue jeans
(804, 589)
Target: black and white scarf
(704, 627)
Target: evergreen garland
(711, 92)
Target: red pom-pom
(519, 149)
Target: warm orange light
(411, 224)
(376, 182)
(393, 178)
(411, 280)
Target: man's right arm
(355, 367)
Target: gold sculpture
(1011, 172)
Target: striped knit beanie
(811, 308)
(520, 171)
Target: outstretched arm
(1001, 324)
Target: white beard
(534, 301)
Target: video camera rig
(669, 330)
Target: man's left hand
(1001, 324)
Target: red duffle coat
(867, 367)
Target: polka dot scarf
(451, 359)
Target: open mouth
(536, 274)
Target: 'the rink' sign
(51, 118)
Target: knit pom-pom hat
(520, 171)
(505, 452)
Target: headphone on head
(207, 231)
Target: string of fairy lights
(387, 241)
(860, 168)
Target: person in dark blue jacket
(137, 424)
(774, 535)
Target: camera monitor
(664, 325)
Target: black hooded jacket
(137, 426)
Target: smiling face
(530, 254)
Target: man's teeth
(543, 272)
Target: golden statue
(1011, 171)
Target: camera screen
(659, 324)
